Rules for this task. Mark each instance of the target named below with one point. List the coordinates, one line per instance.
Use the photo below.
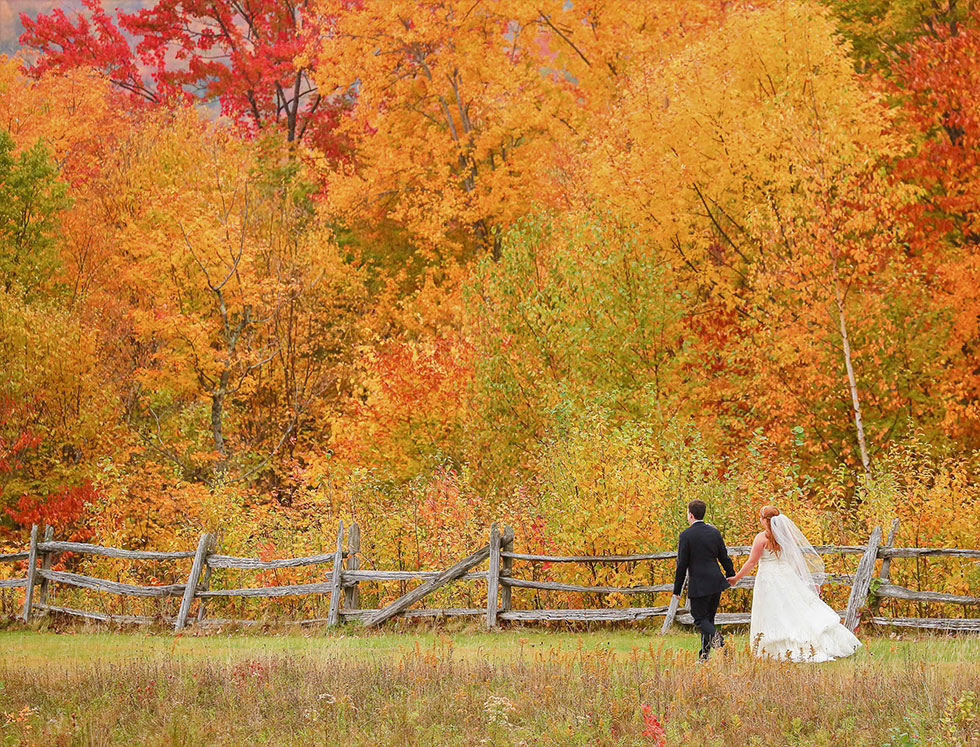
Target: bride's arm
(758, 545)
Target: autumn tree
(462, 109)
(754, 158)
(58, 414)
(240, 296)
(935, 78)
(241, 56)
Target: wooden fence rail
(344, 573)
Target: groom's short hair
(697, 509)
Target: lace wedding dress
(789, 620)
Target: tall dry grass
(434, 696)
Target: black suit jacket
(699, 551)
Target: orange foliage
(579, 263)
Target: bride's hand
(732, 580)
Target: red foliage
(91, 41)
(242, 56)
(652, 727)
(61, 508)
(938, 77)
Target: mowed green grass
(39, 647)
(460, 685)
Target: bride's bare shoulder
(760, 537)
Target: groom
(699, 551)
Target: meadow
(460, 686)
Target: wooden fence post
(507, 567)
(190, 590)
(862, 581)
(672, 610)
(31, 574)
(206, 580)
(352, 593)
(493, 576)
(46, 556)
(335, 588)
(885, 565)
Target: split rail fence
(344, 576)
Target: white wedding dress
(789, 620)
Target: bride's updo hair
(767, 513)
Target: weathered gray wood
(202, 605)
(190, 588)
(351, 614)
(722, 618)
(900, 592)
(335, 589)
(968, 624)
(450, 574)
(350, 576)
(670, 614)
(114, 587)
(845, 579)
(862, 580)
(434, 612)
(558, 586)
(112, 552)
(353, 577)
(627, 613)
(42, 595)
(31, 574)
(588, 558)
(318, 587)
(419, 592)
(885, 565)
(672, 609)
(254, 564)
(218, 622)
(493, 576)
(507, 568)
(889, 544)
(823, 549)
(665, 555)
(104, 617)
(927, 552)
(352, 592)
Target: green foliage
(31, 199)
(877, 29)
(577, 315)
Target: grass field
(466, 687)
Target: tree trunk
(855, 400)
(217, 407)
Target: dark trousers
(703, 610)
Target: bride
(789, 620)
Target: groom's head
(695, 511)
